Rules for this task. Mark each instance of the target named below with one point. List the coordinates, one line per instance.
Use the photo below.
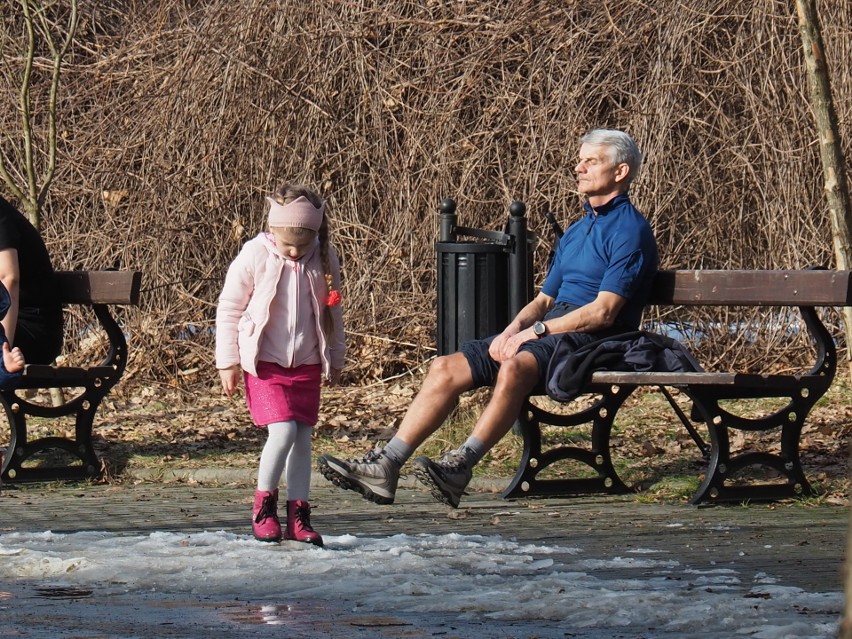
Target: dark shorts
(484, 369)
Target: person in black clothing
(33, 321)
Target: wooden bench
(805, 289)
(98, 290)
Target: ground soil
(146, 426)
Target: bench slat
(753, 288)
(99, 287)
(46, 372)
(661, 379)
(740, 380)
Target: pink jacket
(250, 285)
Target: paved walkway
(802, 545)
(797, 545)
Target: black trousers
(39, 336)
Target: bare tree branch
(29, 202)
(58, 55)
(182, 115)
(38, 183)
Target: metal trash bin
(483, 284)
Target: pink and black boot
(299, 523)
(264, 522)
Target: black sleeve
(9, 236)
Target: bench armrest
(99, 287)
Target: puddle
(58, 612)
(314, 616)
(272, 614)
(335, 621)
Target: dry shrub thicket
(178, 117)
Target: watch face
(539, 328)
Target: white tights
(288, 445)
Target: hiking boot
(447, 478)
(299, 524)
(265, 524)
(375, 475)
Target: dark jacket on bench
(569, 372)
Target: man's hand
(506, 345)
(498, 344)
(13, 358)
(230, 379)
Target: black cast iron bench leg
(534, 461)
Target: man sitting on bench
(598, 285)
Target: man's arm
(10, 276)
(597, 315)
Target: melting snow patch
(463, 576)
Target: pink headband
(299, 213)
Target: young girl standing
(279, 325)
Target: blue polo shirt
(612, 248)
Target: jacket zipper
(294, 312)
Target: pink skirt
(281, 394)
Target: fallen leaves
(160, 425)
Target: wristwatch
(540, 329)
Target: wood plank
(47, 372)
(652, 378)
(99, 287)
(740, 380)
(753, 288)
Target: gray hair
(623, 148)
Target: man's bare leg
(448, 477)
(516, 379)
(447, 379)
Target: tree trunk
(831, 153)
(837, 195)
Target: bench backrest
(99, 287)
(753, 288)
